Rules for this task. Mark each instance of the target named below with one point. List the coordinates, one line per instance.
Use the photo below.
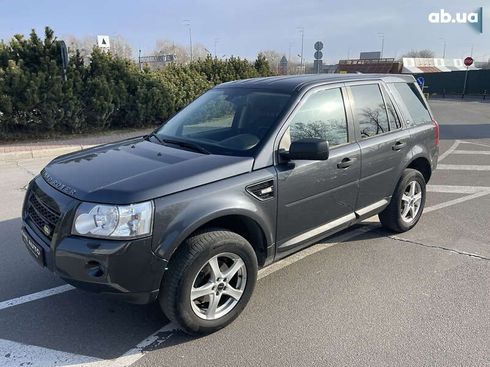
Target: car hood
(136, 170)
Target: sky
(243, 28)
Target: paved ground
(364, 297)
(52, 147)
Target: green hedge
(108, 93)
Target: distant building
(369, 66)
(283, 66)
(417, 65)
(371, 55)
(330, 69)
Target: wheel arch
(241, 223)
(422, 165)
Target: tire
(190, 270)
(392, 217)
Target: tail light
(436, 124)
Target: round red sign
(468, 61)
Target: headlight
(113, 221)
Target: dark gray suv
(247, 174)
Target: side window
(392, 115)
(414, 102)
(321, 116)
(369, 110)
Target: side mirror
(313, 149)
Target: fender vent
(262, 191)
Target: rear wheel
(407, 202)
(209, 282)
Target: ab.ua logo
(474, 19)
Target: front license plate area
(35, 250)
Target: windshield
(231, 121)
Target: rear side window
(414, 102)
(369, 110)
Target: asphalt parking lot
(363, 297)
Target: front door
(316, 197)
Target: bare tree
(84, 45)
(181, 52)
(199, 51)
(273, 57)
(121, 47)
(425, 54)
(168, 47)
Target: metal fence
(452, 83)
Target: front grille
(43, 216)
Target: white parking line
(449, 151)
(464, 167)
(450, 189)
(35, 296)
(476, 152)
(13, 354)
(456, 201)
(473, 143)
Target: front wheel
(209, 282)
(407, 202)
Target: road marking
(464, 167)
(133, 355)
(35, 296)
(449, 151)
(455, 201)
(476, 152)
(470, 142)
(14, 354)
(449, 189)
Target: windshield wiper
(153, 135)
(184, 144)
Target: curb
(41, 153)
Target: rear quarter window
(414, 102)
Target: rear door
(383, 141)
(418, 119)
(315, 197)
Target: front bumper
(125, 269)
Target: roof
(370, 66)
(433, 65)
(294, 83)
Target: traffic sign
(421, 81)
(318, 55)
(468, 61)
(103, 42)
(318, 45)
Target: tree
(424, 54)
(273, 57)
(262, 66)
(167, 47)
(119, 46)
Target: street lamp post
(382, 35)
(187, 23)
(443, 47)
(302, 31)
(215, 46)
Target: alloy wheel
(218, 286)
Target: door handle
(346, 162)
(399, 145)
